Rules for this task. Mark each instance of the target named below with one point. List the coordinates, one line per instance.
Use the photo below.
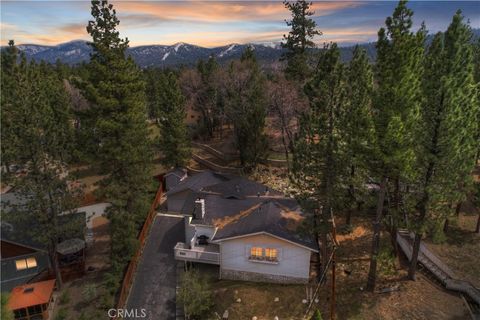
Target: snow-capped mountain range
(152, 55)
(180, 53)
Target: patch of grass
(386, 261)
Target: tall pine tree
(359, 133)
(169, 112)
(447, 153)
(246, 108)
(117, 119)
(318, 164)
(397, 101)
(40, 139)
(299, 39)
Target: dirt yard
(461, 251)
(76, 297)
(422, 299)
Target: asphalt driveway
(155, 280)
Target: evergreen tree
(397, 100)
(447, 154)
(40, 139)
(359, 132)
(318, 164)
(246, 108)
(117, 120)
(9, 94)
(170, 114)
(299, 39)
(6, 314)
(207, 95)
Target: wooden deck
(440, 270)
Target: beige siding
(294, 261)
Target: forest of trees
(407, 123)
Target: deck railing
(185, 254)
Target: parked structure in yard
(32, 301)
(24, 259)
(246, 228)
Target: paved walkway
(155, 280)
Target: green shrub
(64, 297)
(61, 314)
(438, 236)
(195, 294)
(106, 301)
(317, 315)
(89, 292)
(386, 260)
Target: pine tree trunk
(422, 208)
(56, 269)
(413, 263)
(477, 229)
(351, 191)
(396, 195)
(372, 273)
(348, 218)
(446, 225)
(285, 146)
(458, 209)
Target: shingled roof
(270, 217)
(198, 181)
(240, 188)
(19, 227)
(237, 206)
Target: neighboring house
(174, 177)
(32, 301)
(249, 230)
(93, 212)
(24, 259)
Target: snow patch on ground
(165, 56)
(177, 46)
(224, 52)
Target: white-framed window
(256, 253)
(23, 264)
(263, 254)
(271, 254)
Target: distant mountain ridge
(78, 51)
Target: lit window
(271, 254)
(28, 263)
(21, 264)
(31, 262)
(256, 253)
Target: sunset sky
(213, 23)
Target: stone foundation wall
(260, 277)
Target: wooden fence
(277, 163)
(215, 167)
(132, 266)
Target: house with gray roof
(246, 228)
(24, 259)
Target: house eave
(263, 233)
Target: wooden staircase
(441, 272)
